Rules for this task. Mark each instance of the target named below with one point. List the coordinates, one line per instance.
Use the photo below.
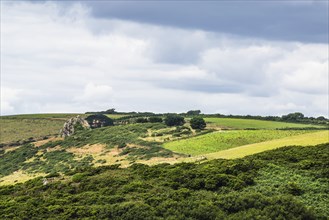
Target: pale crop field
(308, 139)
(222, 140)
(256, 124)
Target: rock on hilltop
(72, 124)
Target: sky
(228, 57)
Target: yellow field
(300, 140)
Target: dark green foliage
(56, 161)
(293, 117)
(155, 119)
(254, 187)
(198, 123)
(174, 120)
(193, 112)
(112, 136)
(146, 152)
(14, 160)
(99, 120)
(141, 120)
(51, 144)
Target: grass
(256, 124)
(22, 127)
(300, 140)
(13, 130)
(59, 116)
(223, 140)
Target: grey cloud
(276, 20)
(204, 86)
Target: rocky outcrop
(72, 124)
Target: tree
(141, 120)
(154, 119)
(110, 111)
(193, 112)
(174, 120)
(321, 118)
(99, 120)
(293, 116)
(198, 123)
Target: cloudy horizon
(257, 58)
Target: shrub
(198, 123)
(155, 119)
(97, 121)
(141, 120)
(174, 120)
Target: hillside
(287, 183)
(137, 169)
(149, 143)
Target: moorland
(163, 166)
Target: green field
(300, 140)
(21, 127)
(237, 123)
(223, 140)
(13, 130)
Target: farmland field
(223, 140)
(313, 138)
(257, 124)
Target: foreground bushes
(218, 189)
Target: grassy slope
(251, 123)
(301, 140)
(22, 127)
(218, 141)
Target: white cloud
(9, 98)
(62, 59)
(95, 93)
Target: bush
(198, 123)
(141, 120)
(97, 121)
(155, 119)
(174, 120)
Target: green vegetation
(223, 140)
(20, 129)
(112, 136)
(155, 119)
(306, 139)
(174, 120)
(198, 123)
(287, 183)
(14, 160)
(97, 121)
(54, 116)
(43, 161)
(237, 123)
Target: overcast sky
(229, 57)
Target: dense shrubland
(287, 183)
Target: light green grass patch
(313, 138)
(223, 140)
(252, 123)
